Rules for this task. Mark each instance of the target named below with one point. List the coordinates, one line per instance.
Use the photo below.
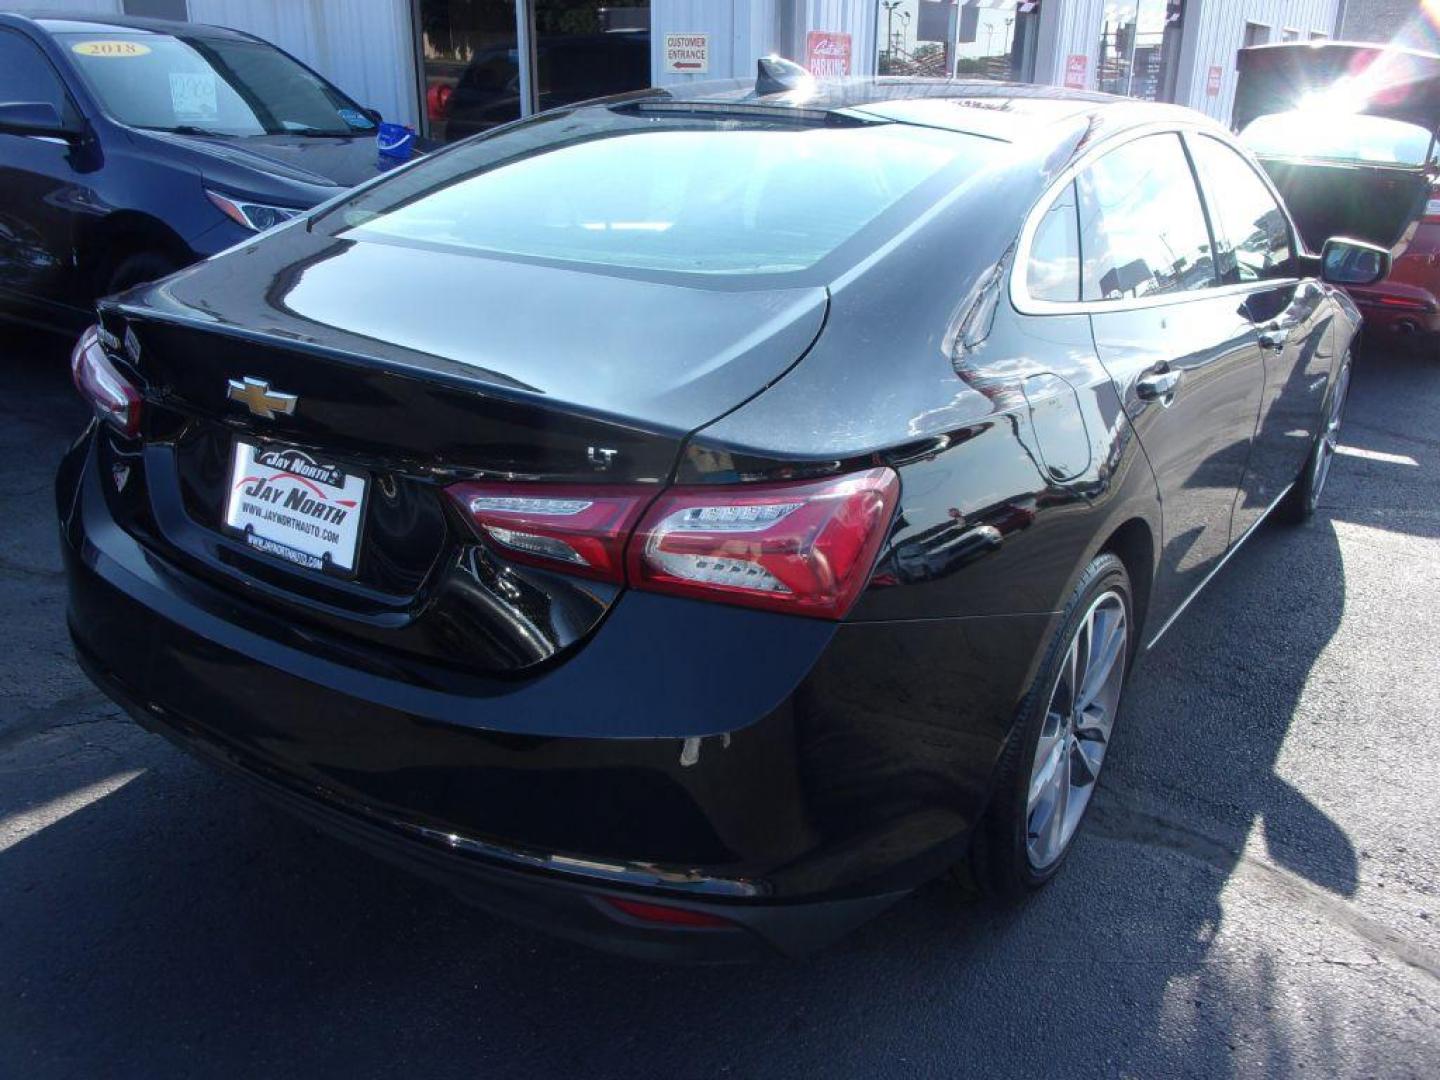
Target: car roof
(1007, 111)
(64, 22)
(999, 110)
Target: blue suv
(132, 147)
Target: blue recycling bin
(395, 141)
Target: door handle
(1274, 337)
(1159, 385)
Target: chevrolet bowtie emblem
(256, 395)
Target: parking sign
(827, 53)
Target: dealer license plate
(290, 504)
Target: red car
(1347, 132)
(1407, 302)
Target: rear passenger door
(1257, 252)
(1182, 351)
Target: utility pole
(890, 6)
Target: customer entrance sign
(687, 53)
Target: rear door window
(1251, 232)
(1142, 230)
(1054, 269)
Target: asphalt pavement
(1257, 892)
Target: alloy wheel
(1076, 730)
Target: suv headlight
(252, 215)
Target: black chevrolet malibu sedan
(689, 525)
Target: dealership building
(454, 67)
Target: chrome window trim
(1025, 304)
(1297, 242)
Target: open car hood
(1380, 80)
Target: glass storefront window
(1140, 48)
(583, 49)
(967, 39)
(471, 65)
(587, 50)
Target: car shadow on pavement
(1211, 707)
(164, 922)
(201, 930)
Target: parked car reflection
(571, 69)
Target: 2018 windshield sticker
(110, 48)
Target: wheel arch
(1133, 543)
(126, 232)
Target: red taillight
(111, 395)
(578, 530)
(664, 915)
(804, 547)
(1403, 303)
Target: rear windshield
(1328, 136)
(209, 85)
(705, 198)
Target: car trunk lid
(1378, 80)
(464, 362)
(1374, 200)
(524, 373)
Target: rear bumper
(567, 906)
(1404, 304)
(808, 814)
(1399, 322)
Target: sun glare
(1422, 30)
(1345, 96)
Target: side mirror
(34, 118)
(373, 115)
(1353, 262)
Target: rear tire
(1300, 505)
(137, 269)
(1052, 763)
